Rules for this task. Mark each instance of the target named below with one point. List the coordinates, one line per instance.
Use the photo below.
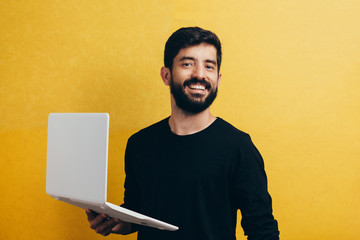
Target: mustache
(197, 81)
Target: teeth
(199, 87)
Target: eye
(210, 67)
(187, 64)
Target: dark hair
(186, 37)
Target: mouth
(197, 85)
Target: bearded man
(192, 169)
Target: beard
(193, 103)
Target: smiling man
(192, 169)
(193, 78)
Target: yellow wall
(291, 78)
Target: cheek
(215, 80)
(182, 71)
(181, 77)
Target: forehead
(203, 51)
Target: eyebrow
(211, 61)
(187, 58)
(193, 59)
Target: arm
(251, 194)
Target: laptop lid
(77, 153)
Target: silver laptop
(76, 173)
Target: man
(192, 169)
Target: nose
(198, 72)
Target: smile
(197, 87)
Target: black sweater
(198, 182)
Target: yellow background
(291, 78)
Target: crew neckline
(192, 134)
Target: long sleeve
(251, 195)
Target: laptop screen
(77, 151)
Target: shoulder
(151, 131)
(227, 129)
(232, 137)
(243, 144)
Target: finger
(106, 227)
(97, 221)
(91, 214)
(120, 226)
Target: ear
(219, 79)
(165, 75)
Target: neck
(184, 123)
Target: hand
(104, 225)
